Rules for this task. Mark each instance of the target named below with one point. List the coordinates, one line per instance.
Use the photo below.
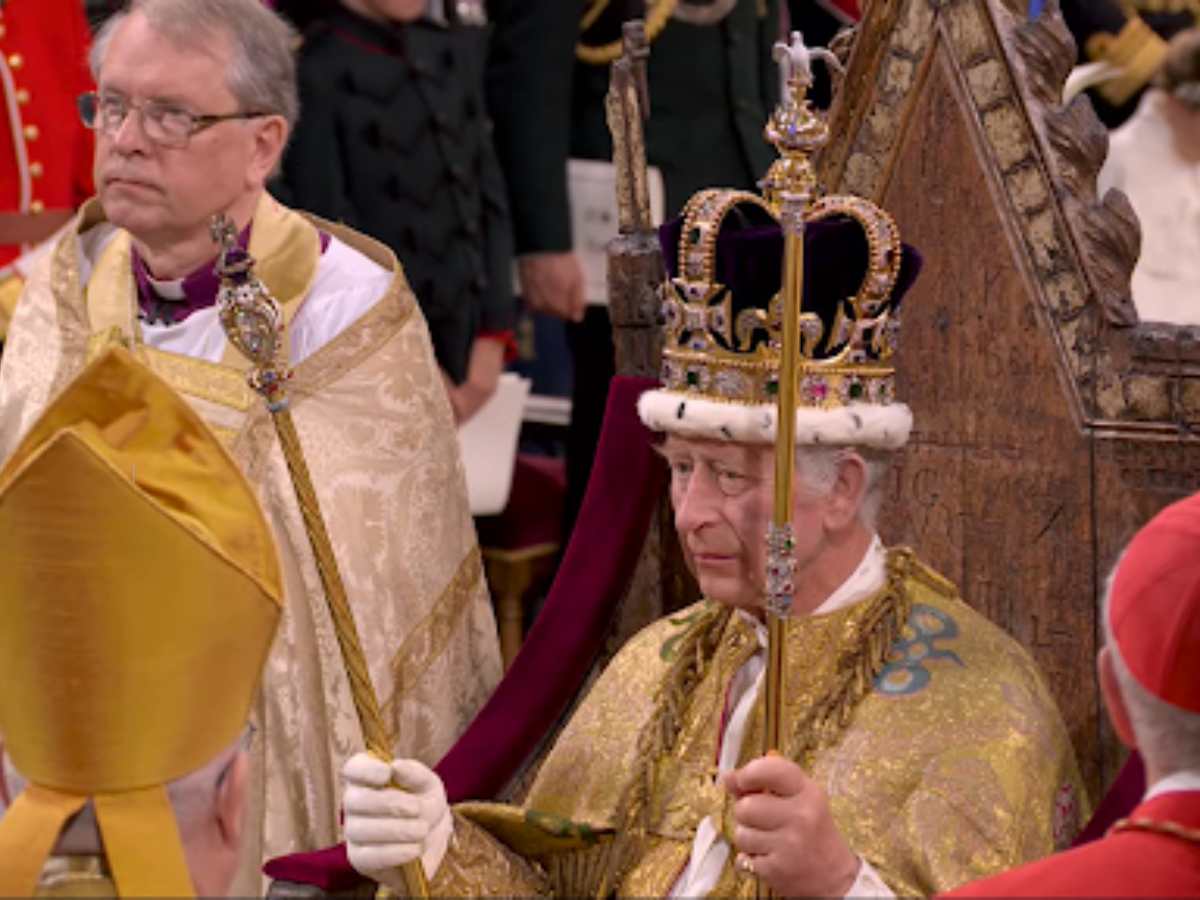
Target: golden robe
(954, 764)
(379, 438)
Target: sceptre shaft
(253, 322)
(797, 132)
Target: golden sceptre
(797, 132)
(253, 322)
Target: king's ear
(845, 499)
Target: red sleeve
(78, 42)
(507, 338)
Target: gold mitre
(140, 594)
(723, 314)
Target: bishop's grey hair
(1166, 735)
(262, 70)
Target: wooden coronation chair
(1050, 423)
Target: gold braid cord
(353, 657)
(603, 54)
(253, 323)
(1172, 829)
(693, 658)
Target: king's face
(723, 495)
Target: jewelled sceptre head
(253, 322)
(251, 317)
(797, 132)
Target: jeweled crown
(727, 348)
(723, 309)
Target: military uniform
(712, 86)
(529, 98)
(45, 152)
(394, 141)
(1131, 34)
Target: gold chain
(1173, 829)
(603, 54)
(1162, 7)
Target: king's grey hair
(262, 69)
(1167, 736)
(818, 466)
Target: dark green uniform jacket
(394, 140)
(712, 88)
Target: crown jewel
(730, 352)
(723, 307)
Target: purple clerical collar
(198, 290)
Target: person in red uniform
(45, 152)
(1150, 678)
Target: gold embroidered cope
(956, 765)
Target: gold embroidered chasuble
(378, 435)
(956, 764)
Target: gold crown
(732, 356)
(140, 596)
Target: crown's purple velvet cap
(749, 261)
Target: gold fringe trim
(822, 723)
(860, 662)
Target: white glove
(387, 827)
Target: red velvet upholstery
(533, 515)
(566, 637)
(1122, 798)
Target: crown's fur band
(884, 427)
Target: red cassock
(1128, 863)
(45, 152)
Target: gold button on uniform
(22, 96)
(16, 60)
(36, 169)
(31, 132)
(37, 206)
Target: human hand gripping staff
(253, 322)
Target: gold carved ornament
(698, 310)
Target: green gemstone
(694, 235)
(693, 379)
(772, 387)
(856, 390)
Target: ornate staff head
(251, 317)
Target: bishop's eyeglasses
(163, 123)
